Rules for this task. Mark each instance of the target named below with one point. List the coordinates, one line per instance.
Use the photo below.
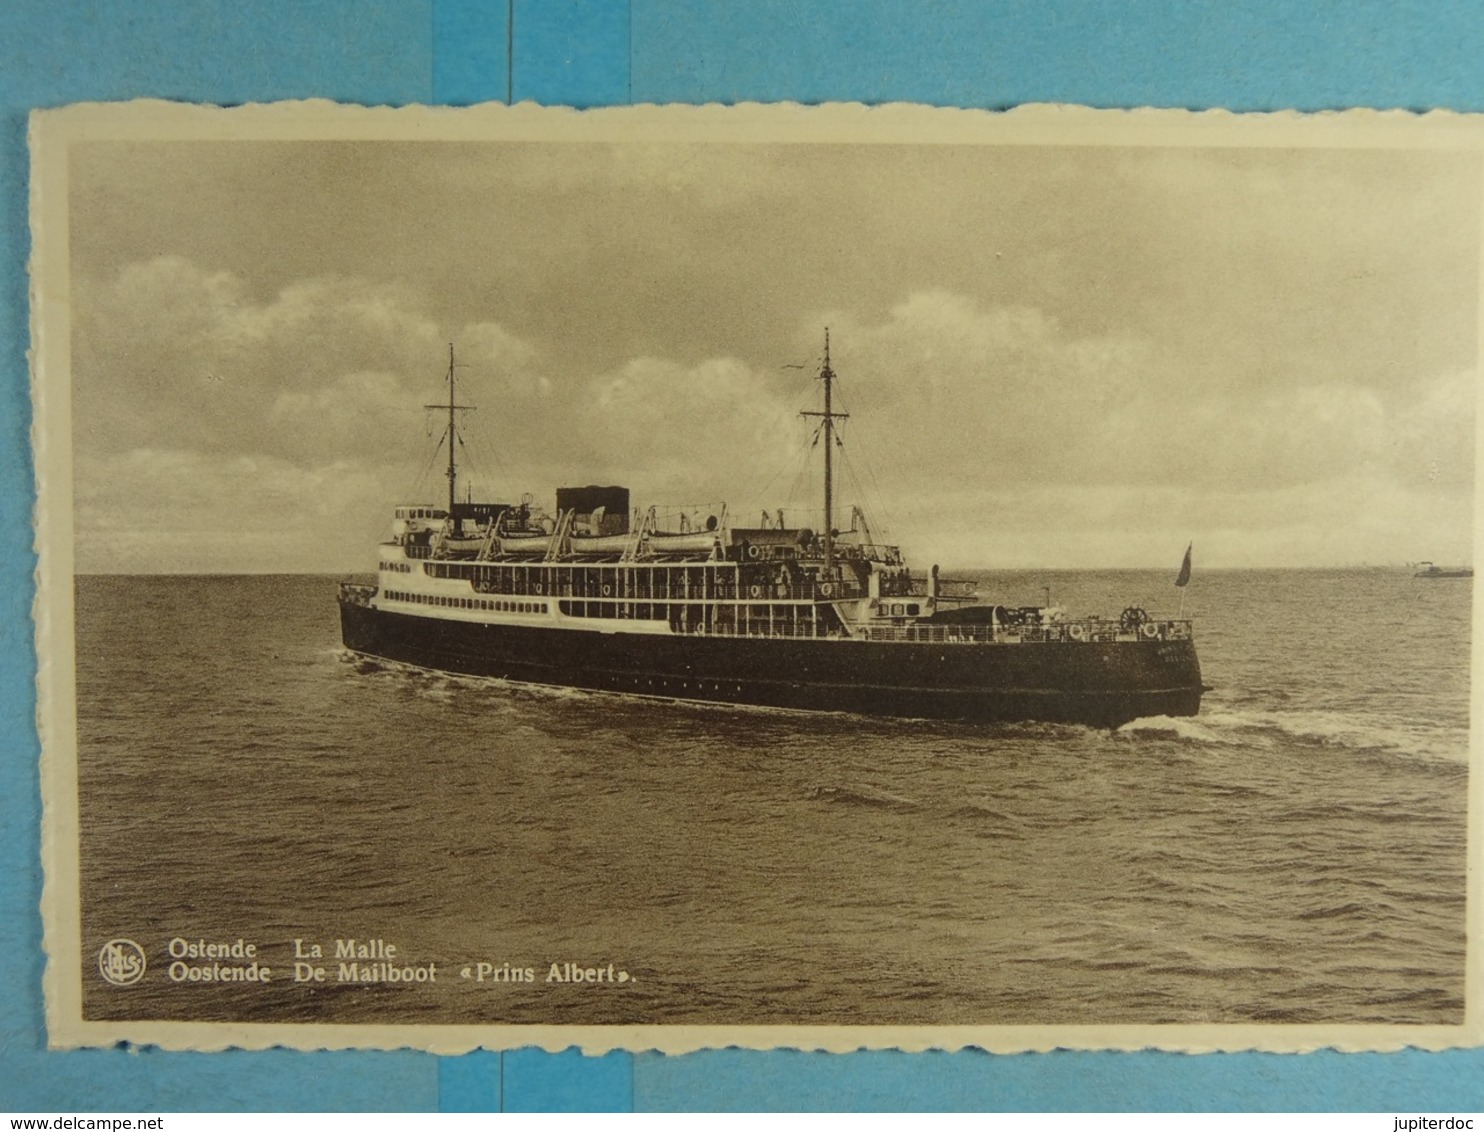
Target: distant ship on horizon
(1428, 570)
(686, 606)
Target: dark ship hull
(1099, 684)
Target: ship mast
(453, 435)
(827, 375)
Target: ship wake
(1321, 730)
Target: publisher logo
(121, 962)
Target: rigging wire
(874, 499)
(802, 474)
(867, 489)
(472, 468)
(423, 476)
(759, 496)
(872, 504)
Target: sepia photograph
(670, 578)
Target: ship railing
(766, 592)
(1079, 631)
(1091, 630)
(759, 629)
(935, 634)
(868, 552)
(837, 591)
(949, 589)
(356, 593)
(798, 590)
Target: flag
(1185, 568)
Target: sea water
(1295, 853)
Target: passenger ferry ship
(594, 596)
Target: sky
(1052, 356)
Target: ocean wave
(1347, 911)
(1184, 728)
(861, 796)
(1224, 726)
(975, 810)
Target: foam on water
(1282, 729)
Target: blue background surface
(1258, 55)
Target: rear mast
(453, 435)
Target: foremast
(827, 375)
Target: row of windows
(398, 567)
(625, 610)
(492, 605)
(642, 582)
(749, 620)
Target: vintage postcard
(829, 577)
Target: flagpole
(1184, 579)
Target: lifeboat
(524, 542)
(583, 545)
(681, 542)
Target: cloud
(281, 427)
(1012, 396)
(169, 355)
(707, 423)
